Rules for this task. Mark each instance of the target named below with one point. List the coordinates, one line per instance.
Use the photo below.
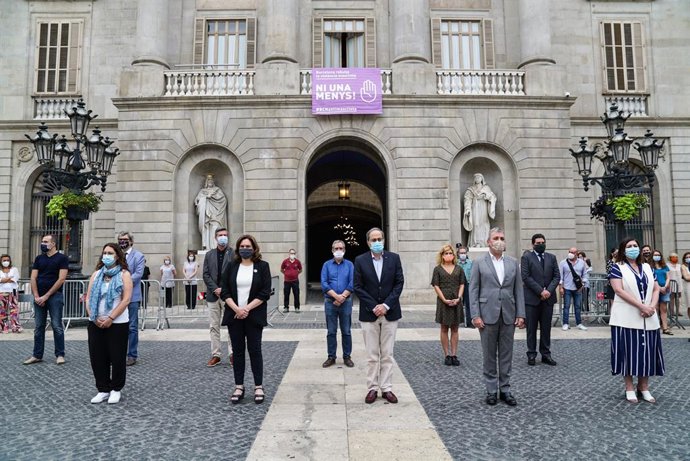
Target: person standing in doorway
(135, 263)
(291, 268)
(48, 274)
(215, 263)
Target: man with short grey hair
(135, 263)
(497, 304)
(336, 283)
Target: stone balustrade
(481, 82)
(636, 104)
(386, 81)
(209, 82)
(53, 108)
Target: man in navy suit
(540, 277)
(135, 263)
(378, 282)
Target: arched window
(41, 224)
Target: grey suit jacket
(210, 271)
(492, 300)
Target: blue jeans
(342, 314)
(577, 300)
(133, 329)
(54, 305)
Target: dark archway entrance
(329, 217)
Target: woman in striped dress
(635, 337)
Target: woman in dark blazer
(245, 289)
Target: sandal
(667, 331)
(259, 394)
(238, 395)
(646, 396)
(631, 396)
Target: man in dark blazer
(540, 277)
(497, 305)
(378, 282)
(215, 262)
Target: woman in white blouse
(9, 309)
(245, 289)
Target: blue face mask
(108, 260)
(632, 252)
(222, 240)
(246, 253)
(377, 247)
(656, 258)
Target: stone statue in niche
(211, 206)
(480, 208)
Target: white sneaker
(114, 397)
(582, 327)
(566, 327)
(100, 397)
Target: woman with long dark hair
(245, 289)
(107, 299)
(635, 338)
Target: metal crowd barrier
(675, 303)
(174, 303)
(595, 304)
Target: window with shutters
(58, 57)
(225, 43)
(341, 42)
(623, 54)
(461, 44)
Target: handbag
(576, 278)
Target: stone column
(277, 68)
(544, 77)
(411, 47)
(144, 78)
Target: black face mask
(540, 247)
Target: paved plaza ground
(175, 408)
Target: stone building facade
(192, 87)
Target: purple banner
(354, 90)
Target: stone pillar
(277, 68)
(411, 47)
(152, 33)
(543, 76)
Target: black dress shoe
(508, 398)
(531, 361)
(371, 396)
(491, 398)
(448, 361)
(348, 362)
(329, 361)
(548, 360)
(454, 360)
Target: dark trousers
(168, 296)
(108, 354)
(190, 296)
(294, 286)
(245, 333)
(539, 317)
(466, 305)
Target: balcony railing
(386, 81)
(635, 104)
(482, 82)
(46, 108)
(209, 82)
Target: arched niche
(190, 179)
(501, 175)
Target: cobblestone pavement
(173, 406)
(575, 410)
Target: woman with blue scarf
(107, 299)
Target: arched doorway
(347, 194)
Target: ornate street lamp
(66, 168)
(619, 176)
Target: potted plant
(627, 207)
(73, 205)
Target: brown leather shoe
(390, 396)
(348, 362)
(371, 396)
(131, 361)
(329, 361)
(213, 362)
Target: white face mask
(167, 261)
(571, 255)
(292, 257)
(5, 264)
(190, 259)
(338, 254)
(498, 245)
